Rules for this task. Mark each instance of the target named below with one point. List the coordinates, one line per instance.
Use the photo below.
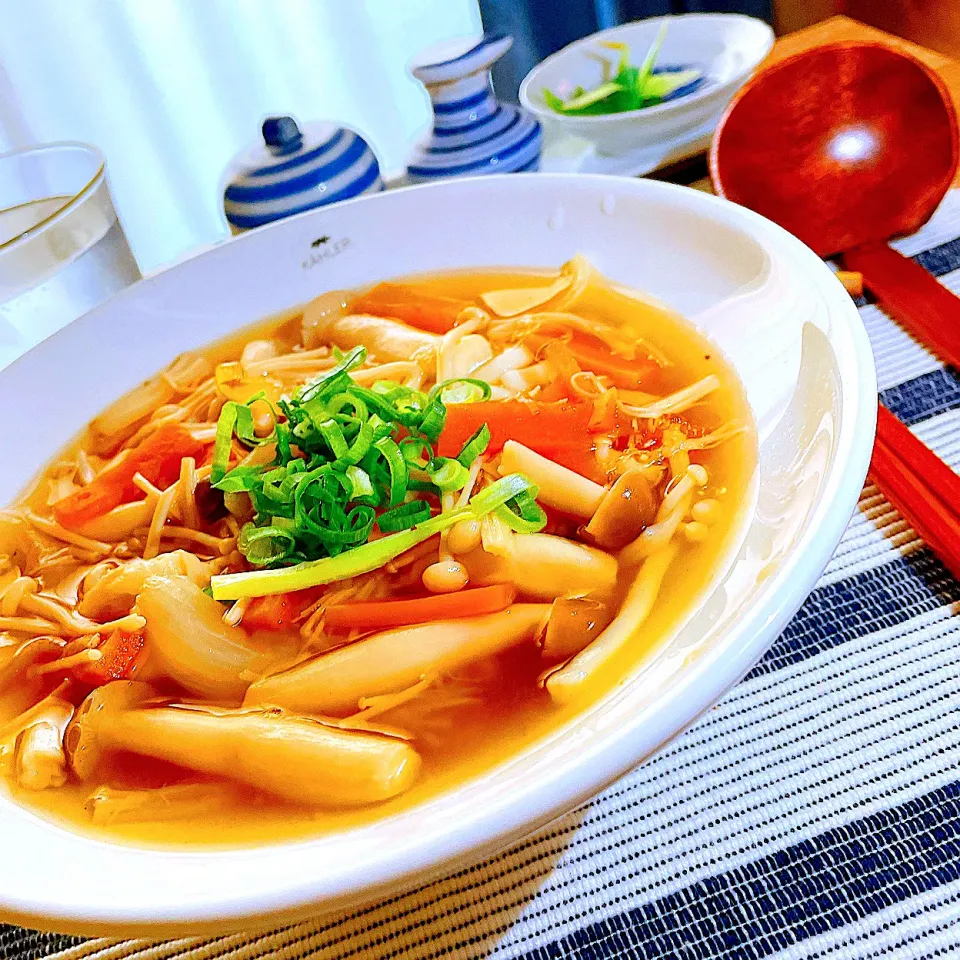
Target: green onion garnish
(404, 517)
(447, 475)
(461, 390)
(476, 445)
(522, 513)
(349, 458)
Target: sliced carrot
(119, 655)
(383, 614)
(157, 458)
(279, 611)
(591, 354)
(412, 305)
(561, 358)
(559, 431)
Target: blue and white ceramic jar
(472, 133)
(297, 169)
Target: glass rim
(76, 197)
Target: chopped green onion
(359, 482)
(223, 442)
(239, 480)
(364, 559)
(333, 434)
(500, 491)
(447, 474)
(416, 451)
(461, 390)
(339, 401)
(321, 384)
(397, 466)
(476, 445)
(434, 420)
(522, 514)
(263, 545)
(361, 444)
(404, 517)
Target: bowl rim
(694, 97)
(609, 754)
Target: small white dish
(726, 48)
(789, 329)
(569, 155)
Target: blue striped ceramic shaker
(472, 133)
(297, 169)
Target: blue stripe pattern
(331, 165)
(885, 596)
(941, 259)
(499, 161)
(471, 127)
(923, 397)
(826, 882)
(356, 150)
(477, 141)
(455, 106)
(367, 179)
(472, 133)
(301, 158)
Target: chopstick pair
(924, 490)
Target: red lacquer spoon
(847, 146)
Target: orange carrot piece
(279, 611)
(559, 431)
(157, 458)
(591, 354)
(383, 614)
(412, 305)
(120, 651)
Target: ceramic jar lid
(296, 169)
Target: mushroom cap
(29, 654)
(83, 740)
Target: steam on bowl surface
(777, 316)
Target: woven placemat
(815, 812)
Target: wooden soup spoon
(846, 146)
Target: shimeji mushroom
(39, 761)
(567, 684)
(625, 510)
(299, 760)
(324, 322)
(544, 567)
(557, 486)
(394, 660)
(31, 744)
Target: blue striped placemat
(814, 813)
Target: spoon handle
(922, 487)
(911, 296)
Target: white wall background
(170, 90)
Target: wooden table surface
(839, 29)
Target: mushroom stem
(395, 659)
(568, 683)
(300, 760)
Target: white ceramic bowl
(770, 303)
(726, 48)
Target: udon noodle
(325, 567)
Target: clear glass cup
(62, 249)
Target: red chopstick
(912, 296)
(920, 485)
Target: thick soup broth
(445, 717)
